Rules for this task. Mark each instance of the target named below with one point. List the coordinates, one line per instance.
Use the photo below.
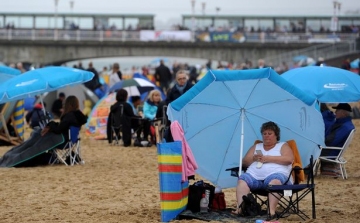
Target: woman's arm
(286, 158)
(249, 157)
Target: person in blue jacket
(339, 131)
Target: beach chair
(289, 195)
(338, 159)
(70, 154)
(116, 125)
(160, 125)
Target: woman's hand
(45, 130)
(260, 158)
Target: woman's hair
(271, 126)
(71, 104)
(152, 93)
(121, 95)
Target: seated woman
(150, 109)
(276, 158)
(71, 116)
(55, 135)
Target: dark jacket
(74, 118)
(116, 118)
(337, 134)
(163, 74)
(34, 117)
(175, 93)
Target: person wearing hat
(341, 127)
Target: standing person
(115, 75)
(276, 158)
(57, 106)
(95, 82)
(181, 86)
(163, 76)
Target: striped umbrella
(134, 86)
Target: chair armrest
(234, 171)
(332, 148)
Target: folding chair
(161, 125)
(116, 125)
(336, 159)
(289, 195)
(71, 153)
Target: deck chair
(161, 125)
(71, 153)
(337, 159)
(289, 195)
(116, 125)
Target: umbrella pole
(42, 104)
(242, 116)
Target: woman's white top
(268, 168)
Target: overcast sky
(170, 11)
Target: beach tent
(80, 91)
(97, 121)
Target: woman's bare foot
(237, 211)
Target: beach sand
(118, 184)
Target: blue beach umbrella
(8, 73)
(38, 81)
(355, 64)
(327, 84)
(222, 114)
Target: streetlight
(193, 18)
(217, 10)
(203, 5)
(335, 19)
(71, 11)
(55, 22)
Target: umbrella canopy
(144, 95)
(222, 114)
(327, 84)
(8, 73)
(355, 63)
(41, 80)
(134, 86)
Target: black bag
(249, 206)
(195, 194)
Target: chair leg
(316, 167)
(343, 171)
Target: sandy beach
(118, 184)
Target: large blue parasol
(222, 114)
(41, 80)
(327, 84)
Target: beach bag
(249, 206)
(195, 194)
(218, 203)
